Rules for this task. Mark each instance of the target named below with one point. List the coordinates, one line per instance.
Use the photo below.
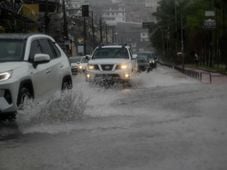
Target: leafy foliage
(180, 23)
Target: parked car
(31, 66)
(111, 62)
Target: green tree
(180, 26)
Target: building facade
(114, 14)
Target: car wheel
(11, 117)
(23, 97)
(66, 84)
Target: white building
(116, 1)
(77, 3)
(151, 3)
(114, 14)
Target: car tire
(23, 95)
(11, 117)
(66, 84)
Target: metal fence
(189, 72)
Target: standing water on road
(63, 112)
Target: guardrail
(191, 73)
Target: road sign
(209, 23)
(209, 13)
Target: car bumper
(8, 97)
(91, 76)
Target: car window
(46, 48)
(35, 49)
(84, 60)
(54, 48)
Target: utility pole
(46, 18)
(106, 33)
(65, 23)
(93, 29)
(85, 14)
(100, 29)
(176, 27)
(85, 36)
(182, 40)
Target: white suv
(113, 62)
(31, 66)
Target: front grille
(107, 67)
(96, 67)
(107, 76)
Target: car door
(59, 62)
(40, 73)
(54, 64)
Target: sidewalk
(210, 77)
(199, 74)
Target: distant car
(31, 66)
(83, 63)
(142, 62)
(79, 63)
(152, 59)
(75, 62)
(111, 62)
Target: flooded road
(163, 121)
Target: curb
(196, 74)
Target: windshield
(11, 50)
(84, 60)
(111, 53)
(147, 55)
(142, 57)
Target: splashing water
(62, 107)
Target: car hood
(7, 66)
(74, 64)
(108, 61)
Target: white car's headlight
(5, 75)
(124, 66)
(91, 67)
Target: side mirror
(41, 58)
(134, 56)
(87, 57)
